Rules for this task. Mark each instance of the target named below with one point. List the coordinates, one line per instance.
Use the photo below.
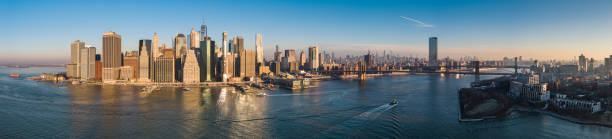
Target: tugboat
(14, 75)
(393, 102)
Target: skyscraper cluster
(193, 58)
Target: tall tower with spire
(203, 32)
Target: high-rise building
(207, 57)
(194, 39)
(203, 31)
(143, 64)
(73, 68)
(131, 59)
(88, 63)
(111, 56)
(239, 44)
(259, 49)
(225, 58)
(155, 48)
(582, 63)
(289, 62)
(250, 63)
(591, 63)
(302, 59)
(127, 73)
(433, 51)
(191, 69)
(98, 67)
(164, 69)
(180, 46)
(321, 59)
(313, 57)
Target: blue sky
(41, 31)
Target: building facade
(164, 69)
(191, 68)
(111, 56)
(433, 51)
(87, 63)
(313, 57)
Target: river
(427, 108)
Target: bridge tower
(476, 65)
(362, 71)
(515, 67)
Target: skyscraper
(278, 56)
(203, 28)
(164, 69)
(259, 49)
(180, 46)
(191, 69)
(239, 44)
(313, 57)
(224, 66)
(302, 59)
(143, 65)
(194, 39)
(73, 68)
(88, 63)
(207, 52)
(155, 48)
(111, 56)
(582, 63)
(433, 51)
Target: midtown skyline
(42, 32)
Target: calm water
(427, 109)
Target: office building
(203, 31)
(164, 69)
(313, 57)
(302, 59)
(132, 59)
(191, 69)
(111, 56)
(127, 73)
(259, 49)
(98, 67)
(207, 58)
(194, 39)
(433, 51)
(87, 63)
(73, 69)
(289, 62)
(275, 67)
(180, 46)
(155, 46)
(582, 63)
(143, 64)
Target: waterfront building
(259, 49)
(534, 93)
(73, 68)
(194, 39)
(313, 57)
(87, 63)
(126, 73)
(562, 103)
(143, 65)
(207, 58)
(224, 66)
(164, 69)
(191, 69)
(98, 67)
(111, 56)
(250, 63)
(433, 51)
(132, 59)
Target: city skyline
(403, 27)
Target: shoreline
(562, 117)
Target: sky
(40, 31)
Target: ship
(15, 75)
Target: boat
(14, 75)
(262, 94)
(393, 102)
(186, 89)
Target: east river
(427, 108)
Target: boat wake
(354, 124)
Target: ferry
(15, 75)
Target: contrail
(419, 23)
